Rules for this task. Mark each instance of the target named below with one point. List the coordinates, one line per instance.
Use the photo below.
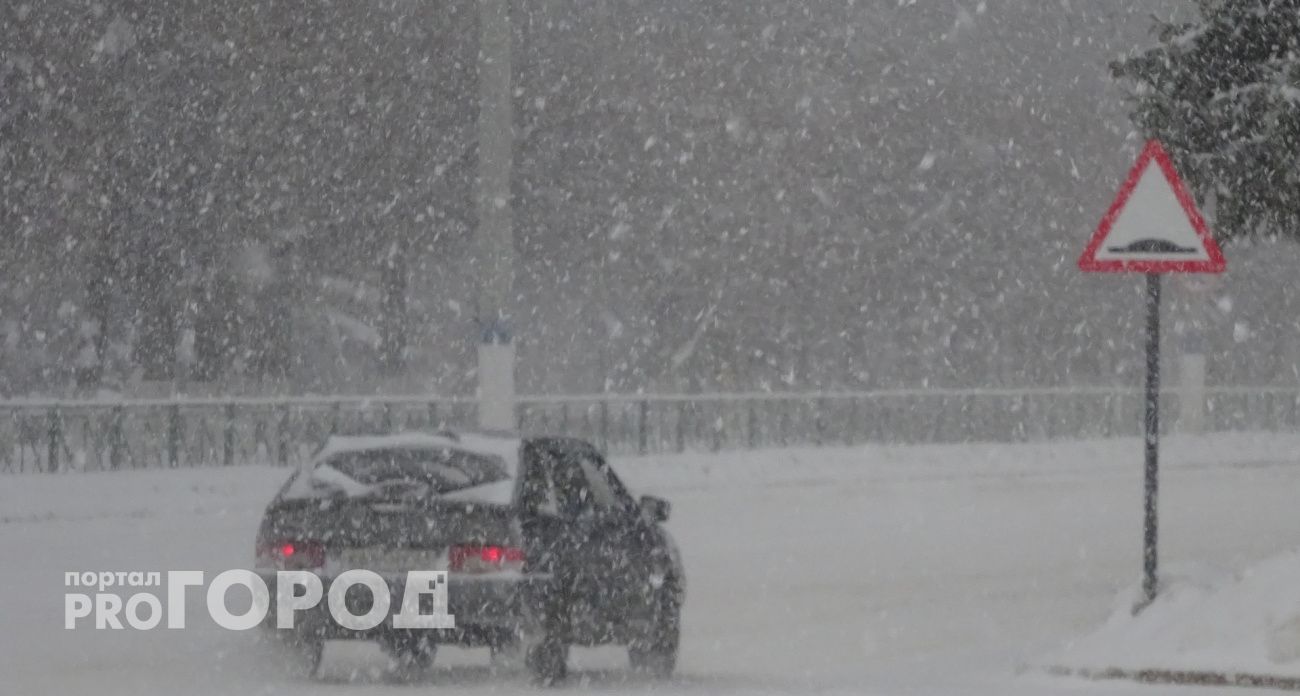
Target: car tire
(545, 640)
(411, 655)
(655, 653)
(507, 655)
(548, 661)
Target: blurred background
(271, 197)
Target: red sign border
(1153, 151)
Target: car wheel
(656, 652)
(507, 655)
(411, 655)
(548, 661)
(545, 639)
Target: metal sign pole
(1167, 235)
(1151, 526)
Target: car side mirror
(657, 509)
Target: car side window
(602, 495)
(622, 498)
(620, 491)
(580, 491)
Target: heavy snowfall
(806, 270)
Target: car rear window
(442, 470)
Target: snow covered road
(876, 570)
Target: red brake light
(478, 559)
(291, 555)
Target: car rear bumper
(485, 609)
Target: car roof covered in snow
(494, 443)
(503, 447)
(342, 444)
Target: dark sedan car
(543, 544)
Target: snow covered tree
(1222, 93)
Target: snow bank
(1205, 621)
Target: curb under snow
(1205, 628)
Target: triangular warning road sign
(1153, 226)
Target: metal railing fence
(55, 436)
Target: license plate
(385, 560)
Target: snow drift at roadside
(1205, 621)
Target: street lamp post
(495, 235)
